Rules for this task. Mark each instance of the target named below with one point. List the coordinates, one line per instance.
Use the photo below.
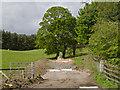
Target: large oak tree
(57, 31)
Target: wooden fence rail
(112, 70)
(110, 74)
(4, 75)
(112, 79)
(13, 69)
(112, 66)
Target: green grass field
(22, 56)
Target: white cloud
(24, 17)
(45, 0)
(0, 14)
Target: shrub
(104, 41)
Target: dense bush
(104, 41)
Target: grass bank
(87, 62)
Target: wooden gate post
(32, 70)
(101, 65)
(98, 66)
(10, 70)
(23, 74)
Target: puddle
(66, 70)
(57, 70)
(53, 70)
(88, 87)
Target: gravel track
(65, 79)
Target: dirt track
(65, 79)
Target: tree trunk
(74, 48)
(64, 53)
(57, 55)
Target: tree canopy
(57, 30)
(86, 18)
(91, 14)
(16, 41)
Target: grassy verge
(86, 62)
(104, 82)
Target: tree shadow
(72, 56)
(54, 58)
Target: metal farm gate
(21, 70)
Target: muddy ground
(65, 79)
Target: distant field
(28, 56)
(22, 56)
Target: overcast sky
(24, 17)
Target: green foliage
(108, 11)
(86, 18)
(96, 12)
(91, 19)
(57, 30)
(14, 41)
(104, 41)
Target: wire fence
(25, 70)
(21, 69)
(18, 70)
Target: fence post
(22, 75)
(19, 70)
(32, 70)
(98, 66)
(10, 70)
(101, 66)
